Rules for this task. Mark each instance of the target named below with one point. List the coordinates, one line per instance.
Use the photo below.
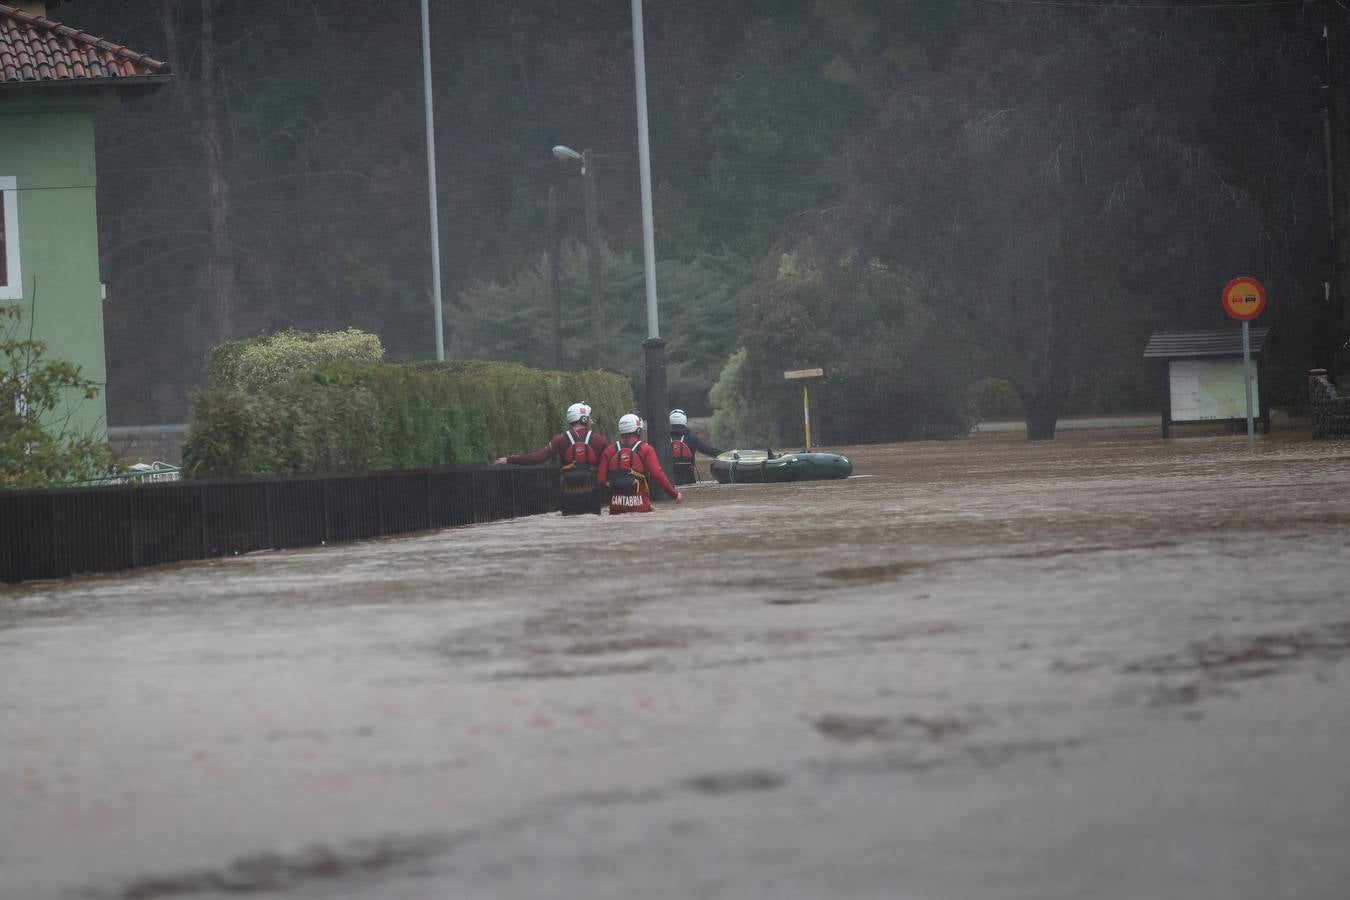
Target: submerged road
(1106, 667)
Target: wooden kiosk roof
(1196, 344)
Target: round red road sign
(1244, 298)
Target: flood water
(1108, 666)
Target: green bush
(348, 417)
(271, 359)
(994, 400)
(737, 422)
(296, 428)
(41, 445)
(1114, 391)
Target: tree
(699, 298)
(1115, 161)
(39, 446)
(1066, 181)
(892, 372)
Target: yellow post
(806, 413)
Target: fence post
(327, 523)
(204, 547)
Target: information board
(1204, 390)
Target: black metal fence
(54, 533)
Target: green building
(53, 80)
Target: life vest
(627, 473)
(580, 452)
(681, 451)
(683, 458)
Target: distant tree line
(914, 195)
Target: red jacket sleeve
(543, 454)
(606, 459)
(654, 471)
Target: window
(11, 285)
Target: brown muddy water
(1109, 666)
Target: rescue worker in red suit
(579, 448)
(629, 467)
(683, 443)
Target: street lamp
(658, 394)
(431, 185)
(567, 154)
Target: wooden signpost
(805, 375)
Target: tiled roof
(35, 50)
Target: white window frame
(9, 190)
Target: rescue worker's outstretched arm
(534, 457)
(701, 445)
(578, 418)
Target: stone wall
(1330, 409)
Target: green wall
(47, 144)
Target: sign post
(804, 375)
(1244, 299)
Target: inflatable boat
(736, 466)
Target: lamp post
(592, 244)
(431, 185)
(554, 277)
(658, 393)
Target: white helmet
(629, 424)
(579, 412)
(677, 417)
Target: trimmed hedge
(255, 363)
(355, 417)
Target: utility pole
(1333, 134)
(658, 394)
(554, 276)
(431, 185)
(593, 255)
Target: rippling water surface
(1108, 666)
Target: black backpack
(627, 475)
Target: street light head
(565, 153)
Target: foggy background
(913, 195)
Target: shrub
(736, 421)
(39, 445)
(994, 399)
(361, 416)
(1128, 390)
(271, 359)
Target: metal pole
(431, 184)
(1333, 128)
(658, 397)
(593, 256)
(1332, 287)
(554, 276)
(645, 168)
(1247, 377)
